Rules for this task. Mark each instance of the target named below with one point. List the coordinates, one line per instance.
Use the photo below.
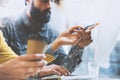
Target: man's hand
(85, 39)
(53, 70)
(22, 67)
(86, 36)
(72, 36)
(69, 37)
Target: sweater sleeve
(6, 52)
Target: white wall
(10, 7)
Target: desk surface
(82, 77)
(85, 77)
(109, 79)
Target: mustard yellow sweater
(6, 52)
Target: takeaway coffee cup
(36, 44)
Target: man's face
(40, 11)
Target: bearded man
(33, 20)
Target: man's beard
(40, 16)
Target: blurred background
(105, 48)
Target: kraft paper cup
(39, 47)
(36, 46)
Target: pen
(92, 26)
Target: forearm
(73, 58)
(3, 73)
(55, 45)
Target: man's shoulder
(7, 24)
(9, 21)
(5, 19)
